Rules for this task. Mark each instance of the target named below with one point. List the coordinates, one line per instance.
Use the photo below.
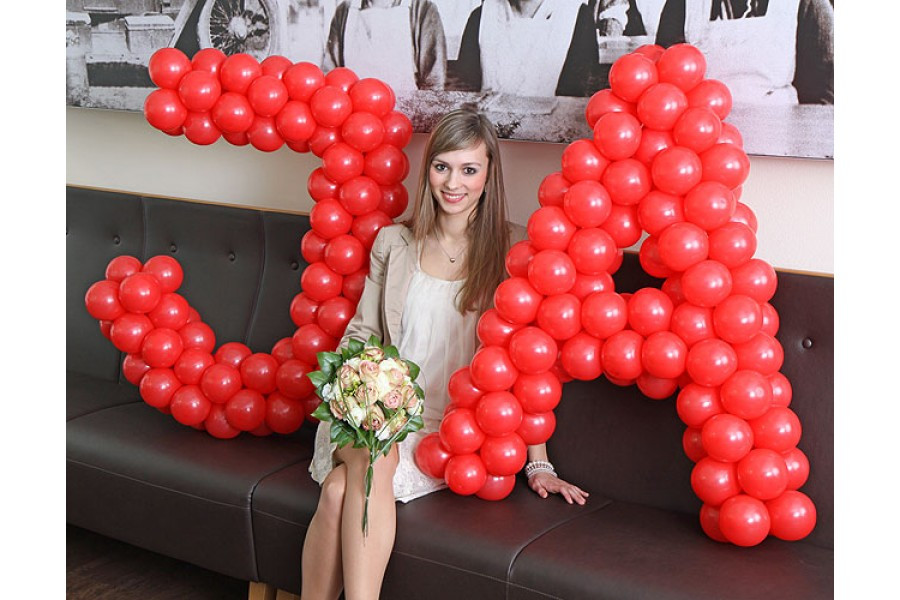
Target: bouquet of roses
(370, 396)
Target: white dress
(435, 336)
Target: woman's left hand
(545, 484)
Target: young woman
(429, 281)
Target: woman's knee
(331, 497)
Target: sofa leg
(283, 595)
(261, 591)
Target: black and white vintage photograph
(531, 65)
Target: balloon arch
(661, 161)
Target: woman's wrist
(539, 466)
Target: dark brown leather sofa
(241, 507)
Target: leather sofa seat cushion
(86, 394)
(633, 551)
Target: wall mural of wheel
(240, 26)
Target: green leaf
(374, 341)
(419, 391)
(391, 352)
(355, 346)
(322, 412)
(413, 369)
(318, 379)
(329, 362)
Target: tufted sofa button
(294, 265)
(807, 343)
(117, 240)
(231, 256)
(173, 248)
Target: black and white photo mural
(531, 65)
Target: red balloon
(232, 354)
(709, 522)
(267, 95)
(744, 520)
(605, 101)
(727, 437)
(711, 94)
(497, 414)
(360, 195)
(692, 323)
(661, 106)
(697, 403)
(302, 80)
(172, 311)
(208, 59)
(238, 71)
(303, 309)
(167, 66)
(582, 160)
(656, 388)
(465, 474)
(782, 392)
(431, 456)
(560, 316)
(334, 314)
(617, 135)
(199, 90)
(707, 283)
(320, 187)
(330, 106)
(308, 341)
(652, 143)
(552, 190)
(650, 260)
(682, 65)
(651, 51)
(263, 134)
(284, 415)
(341, 77)
(291, 379)
(585, 284)
(621, 355)
(134, 367)
(550, 229)
(623, 225)
(537, 428)
(755, 278)
(217, 425)
(121, 267)
(282, 351)
(496, 487)
(726, 163)
(398, 129)
(494, 330)
(295, 122)
(709, 205)
(711, 361)
(649, 311)
(394, 200)
(779, 429)
(164, 110)
(366, 227)
(258, 373)
(127, 332)
(102, 300)
(682, 245)
(793, 516)
(516, 300)
(363, 131)
(220, 382)
(676, 170)
(714, 481)
(586, 203)
(492, 370)
(731, 135)
(166, 270)
(532, 350)
(345, 254)
(232, 113)
(504, 455)
(603, 314)
(197, 335)
(189, 406)
(763, 474)
(672, 288)
(551, 272)
(462, 390)
(322, 139)
(761, 353)
(275, 65)
(246, 410)
(737, 319)
(797, 465)
(627, 181)
(191, 364)
(200, 129)
(386, 164)
(161, 347)
(460, 433)
(329, 219)
(631, 75)
(581, 357)
(518, 257)
(354, 283)
(538, 392)
(664, 355)
(157, 387)
(592, 250)
(732, 244)
(692, 443)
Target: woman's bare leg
(321, 562)
(365, 558)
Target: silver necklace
(452, 259)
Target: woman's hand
(545, 484)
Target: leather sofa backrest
(242, 266)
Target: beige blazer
(392, 263)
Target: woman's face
(457, 179)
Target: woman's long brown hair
(488, 235)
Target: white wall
(793, 198)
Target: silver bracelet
(539, 466)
